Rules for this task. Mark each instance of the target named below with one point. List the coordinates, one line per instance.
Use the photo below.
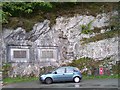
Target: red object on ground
(101, 71)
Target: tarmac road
(96, 83)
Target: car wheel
(48, 80)
(76, 79)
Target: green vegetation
(97, 30)
(86, 29)
(85, 62)
(26, 14)
(19, 79)
(17, 14)
(6, 68)
(115, 69)
(20, 9)
(47, 69)
(101, 36)
(91, 64)
(80, 63)
(101, 76)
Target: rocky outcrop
(19, 36)
(25, 69)
(101, 49)
(66, 34)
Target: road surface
(96, 83)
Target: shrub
(82, 62)
(115, 68)
(91, 64)
(101, 36)
(6, 69)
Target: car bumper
(41, 79)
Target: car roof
(68, 67)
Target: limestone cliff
(67, 35)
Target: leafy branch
(18, 9)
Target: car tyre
(48, 80)
(76, 79)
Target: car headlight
(42, 76)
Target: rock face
(101, 49)
(25, 69)
(62, 41)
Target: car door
(59, 74)
(69, 74)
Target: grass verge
(19, 79)
(101, 77)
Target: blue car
(66, 73)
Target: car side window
(69, 70)
(76, 69)
(60, 70)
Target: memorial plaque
(47, 54)
(19, 54)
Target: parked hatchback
(66, 73)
